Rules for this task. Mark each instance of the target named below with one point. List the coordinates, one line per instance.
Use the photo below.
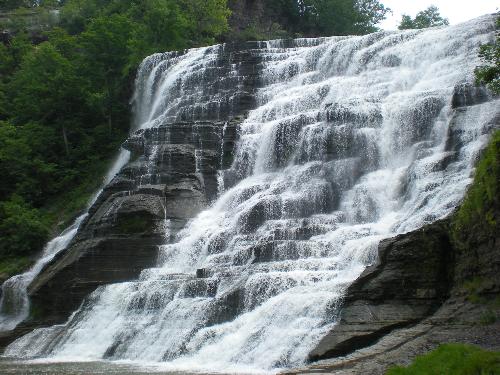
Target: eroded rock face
(373, 334)
(410, 280)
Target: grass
(453, 359)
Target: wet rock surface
(410, 280)
(170, 178)
(425, 290)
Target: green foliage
(489, 74)
(12, 55)
(477, 212)
(51, 78)
(206, 19)
(22, 228)
(456, 359)
(424, 19)
(13, 266)
(329, 17)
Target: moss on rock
(477, 215)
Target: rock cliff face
(411, 279)
(426, 289)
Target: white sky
(455, 10)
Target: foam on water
(348, 145)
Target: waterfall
(349, 140)
(14, 304)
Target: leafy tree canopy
(489, 73)
(424, 19)
(330, 17)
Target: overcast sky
(455, 10)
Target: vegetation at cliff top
(426, 18)
(489, 73)
(456, 359)
(477, 212)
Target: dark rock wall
(416, 274)
(411, 279)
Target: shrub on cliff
(22, 227)
(477, 214)
(426, 18)
(489, 72)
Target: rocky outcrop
(410, 281)
(169, 180)
(425, 290)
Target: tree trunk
(66, 144)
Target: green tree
(46, 89)
(28, 159)
(11, 55)
(207, 19)
(75, 15)
(23, 228)
(424, 19)
(489, 73)
(105, 64)
(161, 26)
(330, 17)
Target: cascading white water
(347, 146)
(14, 304)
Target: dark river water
(80, 368)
